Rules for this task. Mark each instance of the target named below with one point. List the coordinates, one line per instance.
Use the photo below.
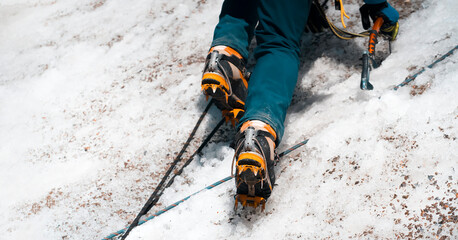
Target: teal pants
(280, 26)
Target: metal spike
(233, 122)
(236, 112)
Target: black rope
(286, 152)
(159, 189)
(198, 151)
(201, 147)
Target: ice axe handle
(373, 36)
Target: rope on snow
(148, 206)
(154, 198)
(410, 78)
(215, 184)
(111, 236)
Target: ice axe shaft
(369, 56)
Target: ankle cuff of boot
(226, 50)
(259, 125)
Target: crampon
(225, 80)
(254, 164)
(249, 185)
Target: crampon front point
(248, 201)
(225, 80)
(221, 96)
(252, 182)
(254, 197)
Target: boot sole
(252, 189)
(215, 86)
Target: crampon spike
(249, 201)
(232, 116)
(225, 114)
(237, 113)
(233, 122)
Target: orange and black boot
(225, 80)
(254, 163)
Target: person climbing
(259, 101)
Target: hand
(390, 17)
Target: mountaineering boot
(225, 80)
(390, 31)
(254, 163)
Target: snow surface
(97, 98)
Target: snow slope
(97, 97)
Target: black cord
(159, 189)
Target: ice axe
(369, 56)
